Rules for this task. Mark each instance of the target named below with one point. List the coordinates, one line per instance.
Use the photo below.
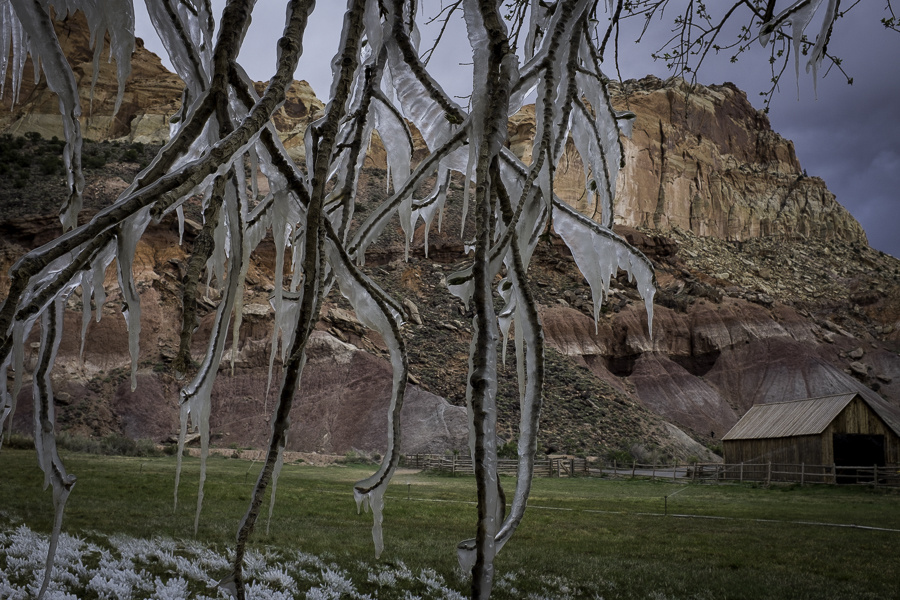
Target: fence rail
(698, 472)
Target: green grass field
(581, 538)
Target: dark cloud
(848, 135)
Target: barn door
(857, 450)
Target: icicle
(182, 434)
(215, 266)
(126, 243)
(44, 44)
(505, 317)
(280, 235)
(247, 248)
(179, 211)
(466, 187)
(432, 206)
(276, 471)
(6, 400)
(798, 15)
(99, 274)
(44, 428)
(87, 289)
(598, 252)
(20, 332)
(398, 147)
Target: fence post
(572, 467)
(675, 471)
(653, 476)
(558, 468)
(833, 474)
(875, 474)
(742, 472)
(453, 465)
(802, 473)
(633, 465)
(769, 473)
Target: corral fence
(697, 472)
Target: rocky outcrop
(152, 94)
(702, 159)
(152, 97)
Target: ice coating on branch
(416, 102)
(599, 252)
(596, 138)
(799, 15)
(405, 86)
(460, 285)
(190, 63)
(13, 39)
(375, 313)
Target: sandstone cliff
(702, 159)
(152, 97)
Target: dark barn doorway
(857, 450)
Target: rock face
(702, 159)
(152, 94)
(152, 98)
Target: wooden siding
(799, 449)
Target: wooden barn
(852, 429)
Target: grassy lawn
(581, 538)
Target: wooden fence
(697, 472)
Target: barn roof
(799, 417)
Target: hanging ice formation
(223, 140)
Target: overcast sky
(847, 135)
